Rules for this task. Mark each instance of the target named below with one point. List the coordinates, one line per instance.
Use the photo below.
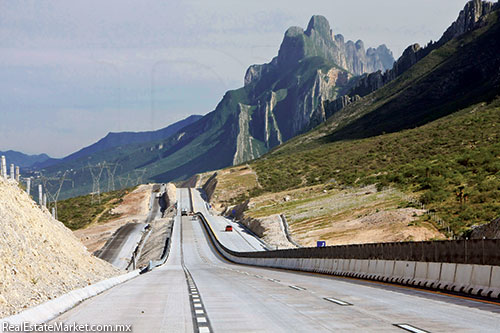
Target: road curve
(243, 298)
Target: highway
(240, 239)
(118, 250)
(231, 298)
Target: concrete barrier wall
(473, 279)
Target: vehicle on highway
(229, 227)
(184, 212)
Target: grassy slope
(435, 160)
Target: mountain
(126, 138)
(279, 101)
(112, 140)
(432, 132)
(22, 160)
(430, 137)
(319, 41)
(470, 18)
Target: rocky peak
(320, 25)
(292, 49)
(318, 40)
(469, 18)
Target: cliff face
(319, 41)
(470, 18)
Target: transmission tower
(139, 173)
(124, 181)
(55, 183)
(111, 170)
(96, 179)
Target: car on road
(184, 212)
(229, 227)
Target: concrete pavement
(239, 298)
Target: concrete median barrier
(494, 288)
(480, 280)
(463, 277)
(447, 276)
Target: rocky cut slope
(40, 258)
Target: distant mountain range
(112, 140)
(23, 160)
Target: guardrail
(459, 266)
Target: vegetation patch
(80, 212)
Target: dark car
(184, 212)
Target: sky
(72, 71)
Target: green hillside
(456, 154)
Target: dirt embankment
(270, 229)
(336, 215)
(134, 208)
(161, 229)
(40, 258)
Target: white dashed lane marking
(297, 288)
(337, 301)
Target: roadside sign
(320, 244)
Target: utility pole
(4, 167)
(28, 185)
(140, 175)
(40, 195)
(111, 175)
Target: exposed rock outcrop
(489, 231)
(319, 41)
(470, 18)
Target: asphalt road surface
(233, 298)
(119, 250)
